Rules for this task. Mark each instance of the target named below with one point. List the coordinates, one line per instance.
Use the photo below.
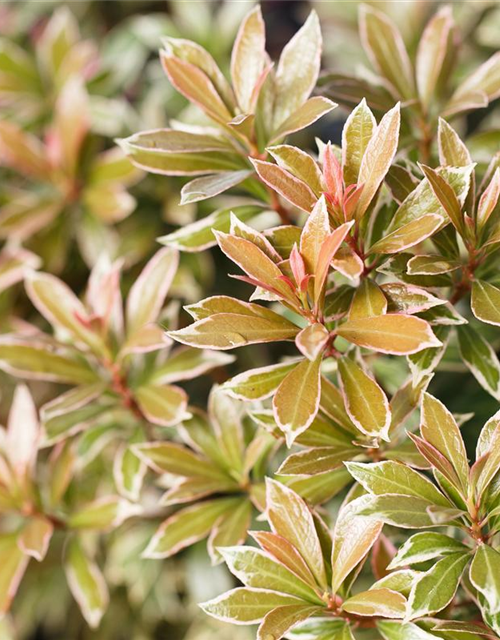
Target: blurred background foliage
(113, 46)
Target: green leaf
(308, 113)
(481, 359)
(231, 529)
(386, 49)
(408, 234)
(407, 512)
(296, 401)
(489, 200)
(316, 460)
(406, 298)
(188, 526)
(290, 517)
(368, 301)
(446, 197)
(425, 546)
(35, 537)
(376, 602)
(452, 151)
(225, 418)
(297, 70)
(286, 184)
(129, 470)
(250, 325)
(175, 459)
(196, 86)
(356, 134)
(198, 235)
(164, 405)
(378, 157)
(485, 302)
(398, 631)
(484, 80)
(13, 564)
(431, 265)
(187, 363)
(431, 54)
(248, 59)
(147, 295)
(86, 583)
(397, 334)
(258, 384)
(38, 360)
(437, 587)
(365, 402)
(179, 153)
(254, 568)
(283, 619)
(353, 537)
(485, 575)
(286, 554)
(59, 305)
(389, 477)
(300, 164)
(245, 605)
(440, 429)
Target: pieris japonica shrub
(290, 423)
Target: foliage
(316, 461)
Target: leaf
(398, 334)
(187, 526)
(147, 295)
(365, 402)
(248, 59)
(230, 330)
(175, 459)
(406, 298)
(431, 54)
(353, 537)
(258, 384)
(254, 568)
(129, 471)
(22, 151)
(37, 360)
(452, 151)
(297, 70)
(376, 602)
(231, 529)
(390, 477)
(283, 619)
(196, 86)
(316, 460)
(300, 164)
(485, 80)
(446, 196)
(286, 184)
(407, 512)
(305, 115)
(179, 153)
(485, 302)
(312, 340)
(254, 262)
(296, 401)
(488, 200)
(245, 605)
(431, 265)
(425, 546)
(13, 564)
(164, 405)
(408, 234)
(377, 159)
(59, 305)
(368, 301)
(356, 134)
(198, 235)
(478, 355)
(211, 186)
(437, 587)
(440, 429)
(86, 583)
(485, 575)
(385, 47)
(22, 438)
(187, 363)
(290, 517)
(35, 537)
(398, 631)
